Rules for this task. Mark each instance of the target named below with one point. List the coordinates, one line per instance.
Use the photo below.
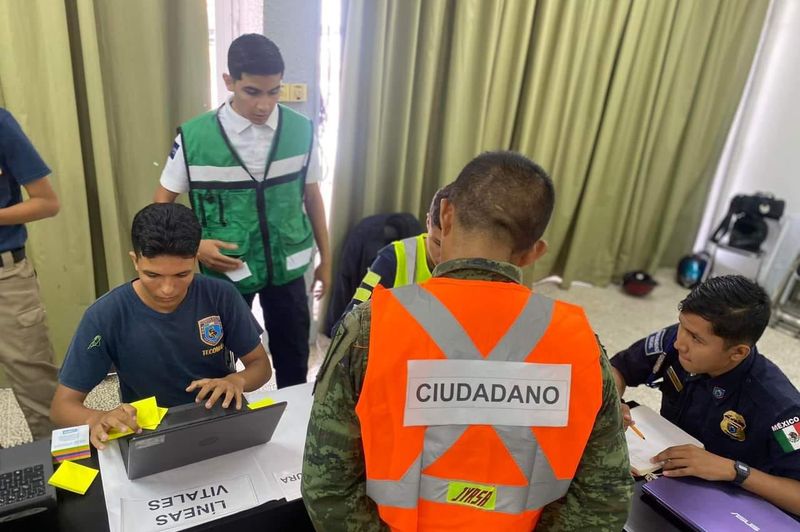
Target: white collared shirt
(251, 141)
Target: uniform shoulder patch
(654, 344)
(174, 150)
(787, 433)
(210, 330)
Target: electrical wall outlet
(294, 92)
(299, 92)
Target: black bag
(748, 233)
(749, 230)
(761, 205)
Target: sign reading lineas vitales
(189, 507)
(487, 392)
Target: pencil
(637, 431)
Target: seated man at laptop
(169, 333)
(716, 386)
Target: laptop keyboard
(22, 484)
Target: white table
(255, 471)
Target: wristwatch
(742, 472)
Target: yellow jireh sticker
(475, 495)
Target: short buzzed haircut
(435, 211)
(254, 54)
(506, 195)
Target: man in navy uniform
(716, 386)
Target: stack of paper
(71, 443)
(658, 433)
(73, 477)
(148, 416)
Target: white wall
(763, 148)
(295, 25)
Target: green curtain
(626, 103)
(99, 87)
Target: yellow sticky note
(73, 477)
(161, 413)
(113, 434)
(148, 416)
(146, 412)
(261, 404)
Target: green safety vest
(412, 260)
(264, 218)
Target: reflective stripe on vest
(543, 486)
(521, 338)
(412, 261)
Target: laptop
(716, 506)
(191, 433)
(24, 472)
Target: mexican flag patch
(788, 434)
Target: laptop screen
(190, 413)
(191, 433)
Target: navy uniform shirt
(158, 353)
(20, 164)
(751, 413)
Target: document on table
(174, 510)
(658, 435)
(257, 465)
(281, 460)
(124, 496)
(290, 484)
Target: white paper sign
(242, 272)
(177, 510)
(486, 392)
(283, 453)
(290, 484)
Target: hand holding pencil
(637, 431)
(627, 419)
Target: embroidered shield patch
(210, 330)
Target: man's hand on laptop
(122, 418)
(231, 386)
(692, 461)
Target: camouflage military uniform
(334, 477)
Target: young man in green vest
(251, 172)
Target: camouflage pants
(25, 350)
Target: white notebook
(659, 434)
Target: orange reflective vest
(464, 426)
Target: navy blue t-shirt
(746, 414)
(160, 354)
(20, 164)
